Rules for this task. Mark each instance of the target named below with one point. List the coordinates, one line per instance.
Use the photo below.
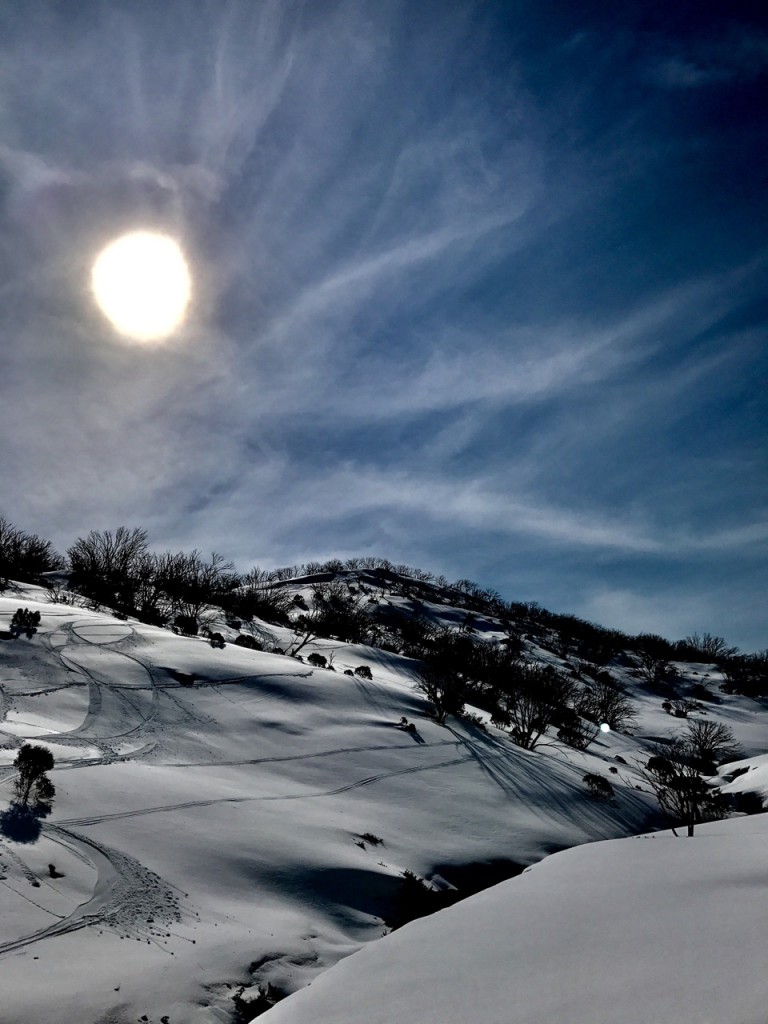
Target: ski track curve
(66, 651)
(125, 897)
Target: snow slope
(206, 833)
(651, 929)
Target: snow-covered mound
(228, 819)
(655, 929)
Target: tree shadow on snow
(20, 824)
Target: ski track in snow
(128, 697)
(125, 897)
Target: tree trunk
(690, 828)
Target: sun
(141, 283)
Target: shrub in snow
(186, 625)
(216, 640)
(318, 660)
(700, 692)
(244, 640)
(24, 621)
(348, 672)
(576, 731)
(747, 674)
(746, 803)
(599, 787)
(473, 719)
(363, 672)
(681, 708)
(417, 899)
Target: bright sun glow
(605, 727)
(142, 285)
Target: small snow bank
(749, 775)
(654, 928)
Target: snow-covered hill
(232, 818)
(650, 929)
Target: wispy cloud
(465, 295)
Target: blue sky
(479, 287)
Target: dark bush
(24, 621)
(363, 672)
(748, 802)
(244, 640)
(318, 660)
(700, 692)
(599, 787)
(417, 899)
(746, 674)
(348, 672)
(216, 640)
(186, 625)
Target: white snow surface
(207, 835)
(646, 930)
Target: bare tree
(673, 773)
(190, 583)
(604, 700)
(655, 669)
(710, 648)
(24, 556)
(536, 695)
(261, 595)
(105, 565)
(712, 743)
(342, 614)
(310, 624)
(443, 689)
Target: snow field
(210, 805)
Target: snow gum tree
(673, 771)
(535, 696)
(32, 762)
(443, 689)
